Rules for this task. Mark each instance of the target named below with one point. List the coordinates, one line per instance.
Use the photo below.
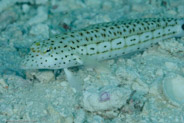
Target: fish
(100, 42)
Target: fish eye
(48, 50)
(182, 26)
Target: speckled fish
(101, 41)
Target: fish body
(101, 41)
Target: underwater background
(144, 87)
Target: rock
(159, 72)
(69, 120)
(56, 116)
(140, 86)
(80, 116)
(107, 5)
(180, 9)
(40, 17)
(3, 83)
(108, 98)
(3, 86)
(43, 77)
(66, 5)
(6, 3)
(97, 119)
(15, 82)
(93, 3)
(171, 66)
(41, 1)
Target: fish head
(180, 27)
(47, 55)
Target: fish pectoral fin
(88, 61)
(74, 81)
(99, 66)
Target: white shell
(173, 88)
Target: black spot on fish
(112, 28)
(77, 40)
(91, 38)
(104, 29)
(127, 26)
(118, 43)
(81, 33)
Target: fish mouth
(23, 65)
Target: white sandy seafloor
(145, 87)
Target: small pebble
(159, 72)
(41, 1)
(69, 120)
(25, 8)
(171, 65)
(40, 17)
(40, 29)
(107, 5)
(46, 76)
(3, 83)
